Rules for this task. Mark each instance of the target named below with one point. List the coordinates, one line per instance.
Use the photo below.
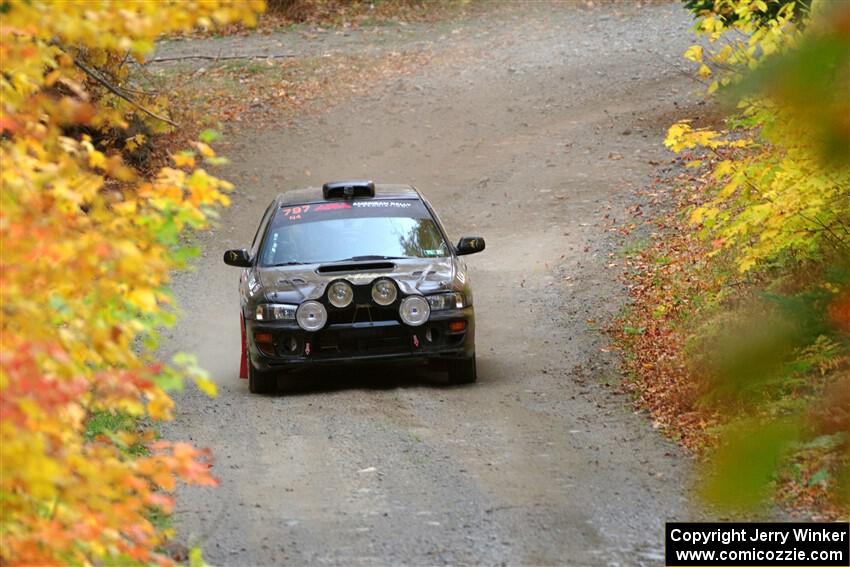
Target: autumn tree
(87, 248)
(779, 208)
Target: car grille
(370, 338)
(362, 314)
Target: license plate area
(381, 337)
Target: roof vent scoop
(348, 189)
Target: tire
(462, 371)
(260, 382)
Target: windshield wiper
(372, 257)
(285, 264)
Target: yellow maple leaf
(207, 386)
(205, 150)
(182, 159)
(694, 53)
(144, 299)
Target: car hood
(294, 284)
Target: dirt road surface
(532, 136)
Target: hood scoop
(355, 267)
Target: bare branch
(115, 90)
(219, 58)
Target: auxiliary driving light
(384, 292)
(311, 315)
(414, 310)
(340, 294)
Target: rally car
(353, 271)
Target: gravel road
(532, 138)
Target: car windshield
(335, 232)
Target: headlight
(340, 294)
(311, 315)
(446, 301)
(275, 312)
(384, 292)
(414, 310)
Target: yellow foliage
(694, 53)
(780, 193)
(207, 386)
(86, 255)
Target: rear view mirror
(239, 258)
(470, 245)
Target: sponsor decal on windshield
(344, 209)
(383, 204)
(295, 213)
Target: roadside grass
(106, 425)
(105, 422)
(162, 521)
(633, 247)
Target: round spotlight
(311, 315)
(414, 310)
(384, 292)
(340, 294)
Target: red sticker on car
(332, 206)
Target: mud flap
(243, 361)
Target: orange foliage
(86, 256)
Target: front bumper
(283, 344)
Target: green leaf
(821, 476)
(209, 135)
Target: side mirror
(470, 245)
(239, 258)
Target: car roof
(315, 195)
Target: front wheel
(462, 370)
(260, 382)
